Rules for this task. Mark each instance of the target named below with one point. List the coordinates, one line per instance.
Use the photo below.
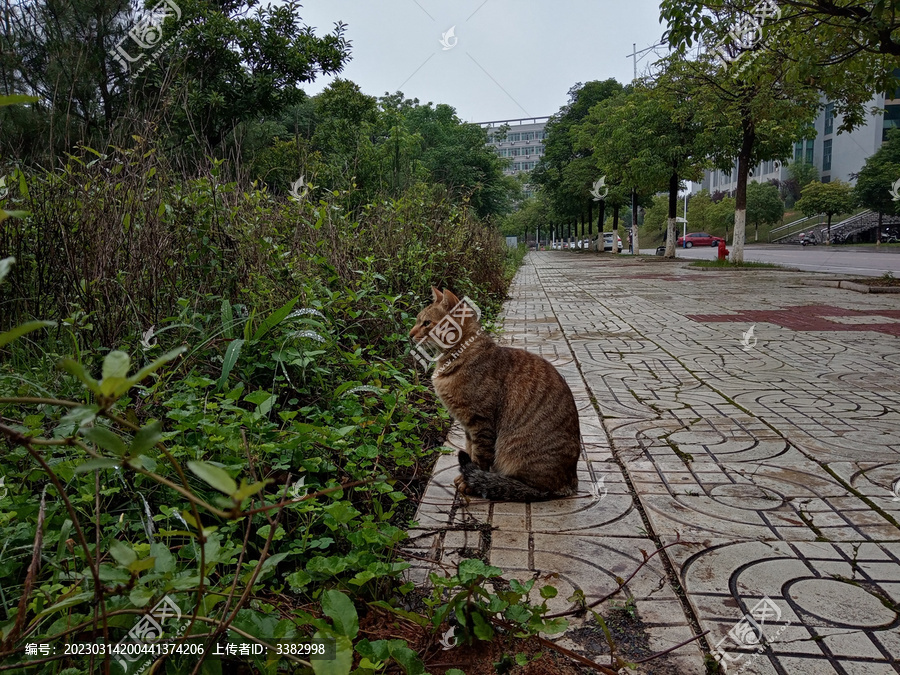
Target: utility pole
(634, 55)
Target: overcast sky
(506, 59)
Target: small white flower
(3, 490)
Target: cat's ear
(436, 295)
(450, 300)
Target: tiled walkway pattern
(774, 464)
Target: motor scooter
(808, 239)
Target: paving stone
(769, 473)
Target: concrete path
(772, 457)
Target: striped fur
(518, 414)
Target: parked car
(698, 239)
(608, 241)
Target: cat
(523, 439)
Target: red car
(698, 239)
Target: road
(862, 261)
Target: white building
(523, 144)
(835, 156)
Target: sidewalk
(773, 460)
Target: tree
(753, 115)
(876, 184)
(803, 172)
(564, 172)
(224, 66)
(764, 206)
(849, 50)
(829, 198)
(707, 215)
(643, 141)
(680, 139)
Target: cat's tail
(495, 486)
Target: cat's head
(428, 318)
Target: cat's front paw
(460, 482)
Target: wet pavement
(768, 463)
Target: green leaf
(482, 629)
(141, 565)
(22, 329)
(231, 356)
(258, 397)
(249, 490)
(153, 367)
(116, 364)
(227, 319)
(298, 580)
(341, 663)
(122, 553)
(140, 596)
(146, 438)
(17, 99)
(215, 476)
(274, 319)
(406, 657)
(65, 604)
(96, 464)
(471, 569)
(13, 214)
(339, 608)
(548, 592)
(106, 439)
(164, 560)
(76, 369)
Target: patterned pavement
(769, 461)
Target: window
(826, 179)
(829, 118)
(891, 119)
(826, 155)
(528, 136)
(798, 151)
(809, 151)
(512, 138)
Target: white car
(608, 241)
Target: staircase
(844, 230)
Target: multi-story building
(835, 156)
(523, 143)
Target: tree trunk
(615, 232)
(600, 224)
(671, 235)
(829, 230)
(756, 234)
(634, 224)
(740, 197)
(878, 231)
(590, 218)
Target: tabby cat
(518, 413)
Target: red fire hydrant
(723, 252)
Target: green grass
(727, 264)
